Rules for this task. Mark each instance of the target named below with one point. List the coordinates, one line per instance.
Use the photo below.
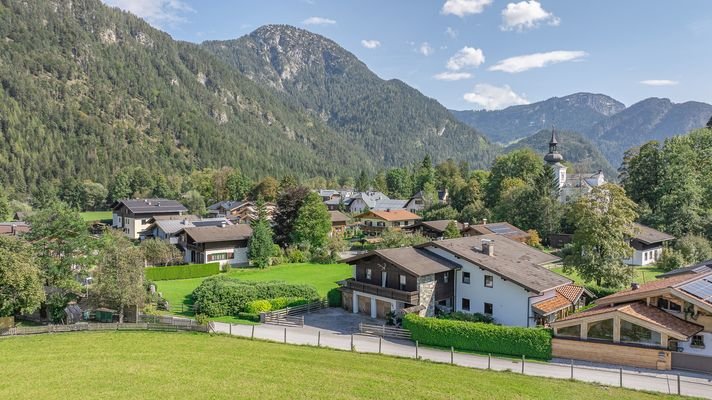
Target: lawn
(321, 276)
(152, 365)
(642, 274)
(91, 216)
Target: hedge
(221, 295)
(480, 337)
(182, 271)
(249, 316)
(334, 297)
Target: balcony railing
(395, 294)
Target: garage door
(691, 362)
(364, 305)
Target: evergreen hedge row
(182, 271)
(480, 337)
(221, 295)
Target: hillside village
(268, 217)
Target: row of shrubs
(181, 271)
(221, 295)
(266, 305)
(462, 316)
(480, 337)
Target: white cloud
(425, 49)
(494, 97)
(155, 12)
(466, 57)
(370, 44)
(318, 21)
(517, 64)
(526, 15)
(659, 82)
(452, 76)
(464, 7)
(451, 32)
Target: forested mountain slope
(87, 89)
(394, 123)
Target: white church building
(570, 185)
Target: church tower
(554, 158)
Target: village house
(134, 216)
(239, 212)
(420, 201)
(504, 229)
(226, 244)
(647, 245)
(374, 222)
(339, 223)
(373, 201)
(509, 283)
(167, 228)
(434, 229)
(662, 324)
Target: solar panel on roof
(501, 229)
(701, 288)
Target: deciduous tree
(119, 275)
(21, 289)
(313, 223)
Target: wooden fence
(292, 316)
(80, 327)
(384, 331)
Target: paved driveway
(338, 321)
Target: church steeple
(553, 156)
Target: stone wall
(426, 293)
(347, 300)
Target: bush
(295, 255)
(221, 295)
(486, 338)
(461, 316)
(202, 319)
(284, 302)
(334, 297)
(182, 271)
(248, 316)
(600, 291)
(258, 306)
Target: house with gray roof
(168, 228)
(226, 244)
(134, 216)
(647, 244)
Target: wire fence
(83, 326)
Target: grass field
(642, 274)
(91, 216)
(321, 276)
(151, 365)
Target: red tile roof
(393, 215)
(552, 305)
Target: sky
(485, 54)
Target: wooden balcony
(395, 294)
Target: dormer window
(669, 305)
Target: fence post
(252, 337)
(380, 340)
(524, 360)
(352, 342)
(416, 349)
(620, 379)
(572, 369)
(285, 335)
(452, 355)
(489, 361)
(318, 339)
(230, 325)
(678, 385)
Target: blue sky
(474, 54)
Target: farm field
(321, 276)
(150, 365)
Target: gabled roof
(500, 228)
(699, 268)
(646, 289)
(338, 216)
(14, 228)
(566, 296)
(389, 204)
(208, 234)
(512, 260)
(226, 205)
(649, 235)
(418, 262)
(173, 226)
(642, 312)
(149, 206)
(392, 215)
(437, 226)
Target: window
(401, 281)
(569, 331)
(368, 274)
(446, 277)
(669, 305)
(632, 333)
(488, 309)
(465, 304)
(601, 330)
(698, 341)
(489, 281)
(466, 277)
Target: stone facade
(426, 292)
(347, 300)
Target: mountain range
(606, 122)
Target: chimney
(484, 221)
(634, 286)
(465, 225)
(158, 204)
(488, 247)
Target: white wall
(707, 351)
(510, 302)
(638, 258)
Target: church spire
(553, 156)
